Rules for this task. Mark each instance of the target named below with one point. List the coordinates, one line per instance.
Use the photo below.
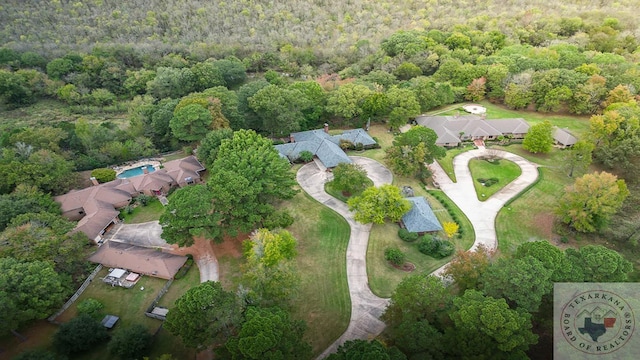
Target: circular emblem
(597, 322)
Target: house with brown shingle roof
(138, 259)
(452, 130)
(95, 207)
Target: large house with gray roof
(452, 130)
(420, 219)
(325, 147)
(95, 208)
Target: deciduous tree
(270, 334)
(485, 327)
(523, 282)
(130, 343)
(578, 158)
(404, 106)
(350, 178)
(280, 109)
(28, 291)
(589, 203)
(467, 267)
(597, 263)
(347, 100)
(413, 149)
(191, 122)
(205, 315)
(79, 334)
(361, 349)
(377, 204)
(208, 149)
(539, 139)
(450, 228)
(247, 178)
(188, 214)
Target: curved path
(366, 307)
(482, 214)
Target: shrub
(79, 334)
(394, 256)
(445, 248)
(407, 235)
(143, 199)
(359, 147)
(278, 219)
(130, 343)
(346, 145)
(91, 307)
(184, 269)
(427, 245)
(306, 156)
(488, 182)
(104, 175)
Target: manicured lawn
(447, 161)
(142, 214)
(504, 171)
(323, 301)
(383, 278)
(180, 286)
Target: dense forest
(91, 84)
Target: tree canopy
(377, 204)
(539, 139)
(412, 150)
(205, 315)
(350, 178)
(247, 178)
(589, 203)
(270, 334)
(28, 291)
(188, 214)
(79, 334)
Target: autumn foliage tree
(467, 266)
(450, 228)
(589, 203)
(477, 89)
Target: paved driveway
(144, 234)
(366, 307)
(482, 214)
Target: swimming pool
(136, 171)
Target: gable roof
(138, 259)
(420, 218)
(448, 128)
(324, 146)
(564, 137)
(99, 202)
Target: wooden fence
(76, 295)
(163, 291)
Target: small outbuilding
(420, 219)
(110, 321)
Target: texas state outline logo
(596, 319)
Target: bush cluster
(394, 256)
(407, 235)
(445, 203)
(488, 182)
(435, 247)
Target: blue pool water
(135, 171)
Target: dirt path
(204, 256)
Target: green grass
(142, 214)
(447, 161)
(180, 286)
(504, 170)
(383, 278)
(175, 156)
(129, 305)
(323, 301)
(331, 190)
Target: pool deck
(122, 168)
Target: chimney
(145, 170)
(94, 181)
(291, 139)
(326, 128)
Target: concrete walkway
(481, 214)
(366, 308)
